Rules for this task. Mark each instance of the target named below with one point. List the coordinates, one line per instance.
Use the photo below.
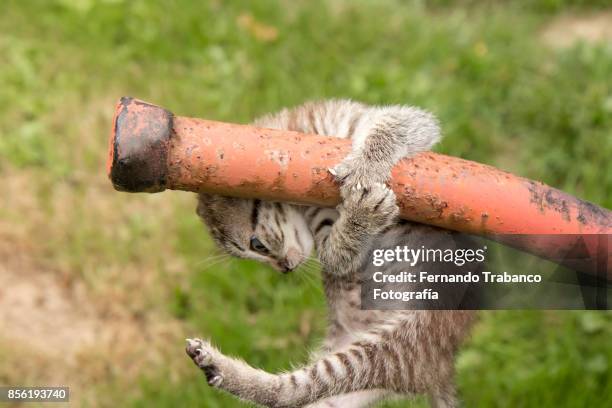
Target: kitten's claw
(341, 171)
(203, 358)
(356, 173)
(372, 206)
(215, 381)
(201, 353)
(196, 349)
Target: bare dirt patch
(567, 30)
(85, 320)
(35, 308)
(52, 332)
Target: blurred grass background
(103, 287)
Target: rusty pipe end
(138, 146)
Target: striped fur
(367, 355)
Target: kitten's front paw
(353, 172)
(201, 352)
(372, 206)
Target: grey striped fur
(367, 355)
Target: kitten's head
(274, 233)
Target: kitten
(367, 355)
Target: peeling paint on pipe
(152, 150)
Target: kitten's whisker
(312, 267)
(311, 262)
(310, 258)
(207, 265)
(305, 275)
(212, 258)
(216, 255)
(217, 262)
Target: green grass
(502, 98)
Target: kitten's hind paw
(201, 352)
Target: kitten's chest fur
(345, 314)
(343, 294)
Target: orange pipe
(152, 150)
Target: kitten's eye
(257, 246)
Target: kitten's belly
(348, 322)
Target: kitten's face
(274, 233)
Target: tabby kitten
(367, 355)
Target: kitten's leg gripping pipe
(152, 150)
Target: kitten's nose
(292, 259)
(285, 266)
